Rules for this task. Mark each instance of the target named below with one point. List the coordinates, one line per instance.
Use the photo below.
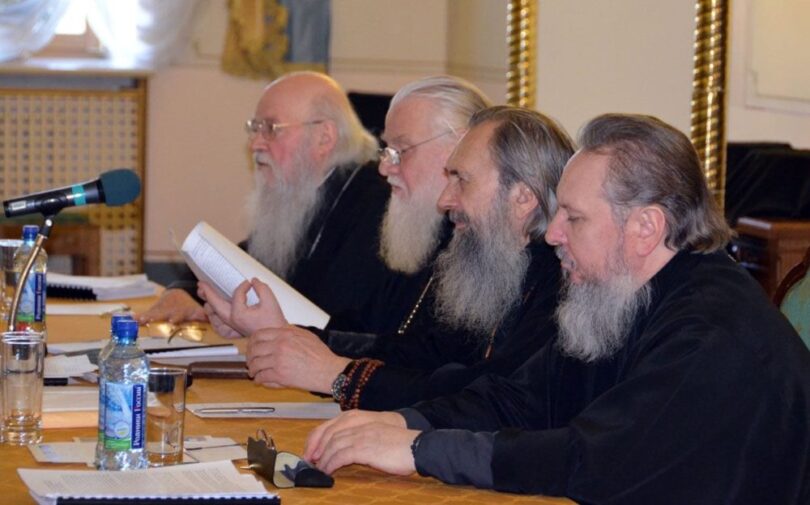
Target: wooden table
(353, 485)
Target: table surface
(354, 484)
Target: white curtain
(26, 26)
(141, 32)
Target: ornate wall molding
(708, 130)
(521, 38)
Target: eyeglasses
(268, 130)
(394, 156)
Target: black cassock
(708, 402)
(429, 359)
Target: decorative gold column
(708, 92)
(521, 37)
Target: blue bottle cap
(118, 317)
(127, 329)
(29, 232)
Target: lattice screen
(52, 138)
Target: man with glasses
(316, 206)
(489, 300)
(425, 120)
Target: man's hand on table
(292, 357)
(380, 440)
(175, 306)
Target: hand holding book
(219, 263)
(236, 315)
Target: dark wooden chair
(793, 297)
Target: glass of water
(23, 355)
(165, 411)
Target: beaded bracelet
(349, 373)
(369, 366)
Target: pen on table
(236, 410)
(56, 381)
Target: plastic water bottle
(123, 377)
(31, 312)
(102, 357)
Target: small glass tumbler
(165, 411)
(23, 354)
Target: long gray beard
(280, 216)
(409, 234)
(479, 277)
(595, 317)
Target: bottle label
(32, 301)
(124, 419)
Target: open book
(221, 263)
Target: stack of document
(86, 287)
(207, 482)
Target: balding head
(303, 127)
(323, 129)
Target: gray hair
(531, 148)
(456, 98)
(653, 163)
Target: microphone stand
(44, 232)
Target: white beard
(281, 214)
(410, 232)
(479, 277)
(595, 316)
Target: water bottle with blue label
(102, 357)
(123, 378)
(31, 311)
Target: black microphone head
(120, 186)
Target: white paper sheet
(83, 309)
(217, 479)
(210, 448)
(69, 399)
(152, 344)
(64, 452)
(68, 366)
(198, 449)
(282, 410)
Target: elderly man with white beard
(674, 379)
(490, 300)
(316, 207)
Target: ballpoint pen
(236, 410)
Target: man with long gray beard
(316, 206)
(423, 125)
(489, 303)
(674, 379)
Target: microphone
(113, 188)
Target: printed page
(218, 261)
(215, 479)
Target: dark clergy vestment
(339, 268)
(430, 359)
(706, 403)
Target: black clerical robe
(430, 359)
(339, 268)
(707, 402)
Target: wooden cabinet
(769, 248)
